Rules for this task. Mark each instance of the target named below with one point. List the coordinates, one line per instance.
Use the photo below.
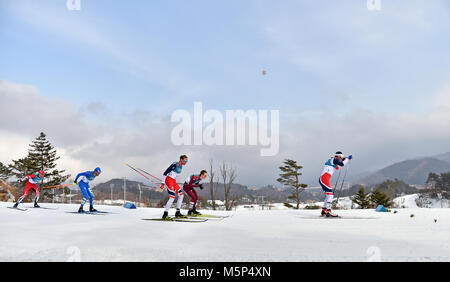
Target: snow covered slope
(410, 201)
(407, 201)
(277, 235)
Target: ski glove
(200, 186)
(350, 157)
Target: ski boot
(80, 210)
(179, 214)
(190, 212)
(36, 205)
(331, 214)
(91, 209)
(195, 212)
(324, 212)
(16, 205)
(166, 216)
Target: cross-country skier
(331, 166)
(189, 184)
(170, 176)
(85, 177)
(32, 181)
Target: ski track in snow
(277, 235)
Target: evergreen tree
(438, 184)
(289, 176)
(379, 198)
(395, 188)
(21, 168)
(5, 172)
(361, 199)
(41, 156)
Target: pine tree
(41, 156)
(21, 168)
(379, 198)
(5, 172)
(361, 199)
(290, 177)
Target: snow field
(267, 235)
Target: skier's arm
(28, 177)
(344, 161)
(169, 169)
(191, 183)
(80, 175)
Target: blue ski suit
(85, 177)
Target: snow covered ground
(249, 235)
(410, 201)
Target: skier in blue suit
(85, 177)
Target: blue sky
(326, 60)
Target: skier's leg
(190, 192)
(172, 189)
(328, 200)
(169, 203)
(25, 193)
(91, 196)
(83, 187)
(194, 199)
(171, 198)
(180, 194)
(326, 187)
(36, 198)
(180, 199)
(91, 199)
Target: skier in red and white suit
(331, 166)
(32, 180)
(170, 176)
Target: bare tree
(228, 174)
(212, 190)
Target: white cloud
(375, 138)
(24, 110)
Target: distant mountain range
(414, 172)
(267, 193)
(443, 157)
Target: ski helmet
(98, 170)
(42, 172)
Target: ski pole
(343, 180)
(57, 186)
(148, 174)
(155, 176)
(337, 180)
(161, 185)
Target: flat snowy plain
(276, 235)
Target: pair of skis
(21, 209)
(178, 219)
(187, 218)
(91, 213)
